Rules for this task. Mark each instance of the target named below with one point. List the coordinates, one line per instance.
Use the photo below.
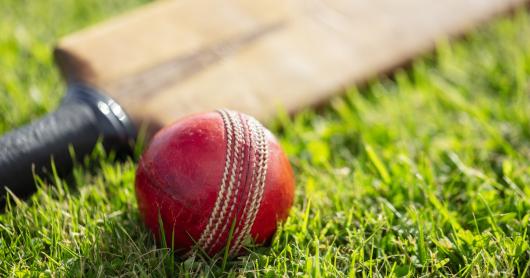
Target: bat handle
(83, 118)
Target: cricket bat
(168, 59)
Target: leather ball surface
(211, 173)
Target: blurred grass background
(425, 172)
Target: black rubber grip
(82, 119)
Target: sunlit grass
(424, 172)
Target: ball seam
(206, 233)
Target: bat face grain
(172, 58)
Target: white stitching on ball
(230, 185)
(257, 196)
(251, 191)
(221, 195)
(225, 220)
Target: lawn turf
(423, 172)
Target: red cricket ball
(213, 175)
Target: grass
(423, 173)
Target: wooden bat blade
(172, 58)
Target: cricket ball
(212, 182)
